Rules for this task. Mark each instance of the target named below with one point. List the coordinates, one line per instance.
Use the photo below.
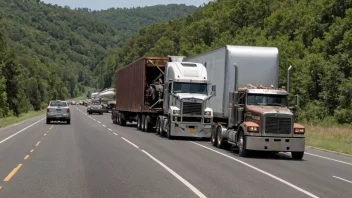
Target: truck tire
(143, 121)
(114, 120)
(242, 151)
(139, 122)
(213, 138)
(118, 118)
(147, 124)
(221, 142)
(169, 136)
(47, 121)
(297, 155)
(122, 119)
(157, 126)
(161, 126)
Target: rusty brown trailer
(132, 82)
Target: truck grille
(192, 108)
(277, 125)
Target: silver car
(58, 111)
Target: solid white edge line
(130, 142)
(262, 171)
(20, 131)
(342, 179)
(115, 134)
(328, 158)
(103, 125)
(185, 182)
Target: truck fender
(243, 126)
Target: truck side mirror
(297, 100)
(213, 90)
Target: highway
(92, 157)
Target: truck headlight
(253, 129)
(208, 113)
(176, 112)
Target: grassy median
(24, 116)
(334, 138)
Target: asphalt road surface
(92, 157)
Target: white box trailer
(257, 65)
(250, 111)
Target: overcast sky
(105, 4)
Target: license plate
(191, 130)
(277, 146)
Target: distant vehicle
(95, 107)
(73, 103)
(58, 111)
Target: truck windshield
(267, 100)
(200, 88)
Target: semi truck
(165, 93)
(250, 111)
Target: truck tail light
(299, 130)
(68, 110)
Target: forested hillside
(49, 52)
(314, 36)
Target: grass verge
(336, 138)
(24, 116)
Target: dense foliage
(50, 52)
(314, 36)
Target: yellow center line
(0, 187)
(13, 172)
(32, 150)
(45, 134)
(37, 143)
(27, 156)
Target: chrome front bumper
(191, 130)
(279, 144)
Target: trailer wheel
(213, 136)
(242, 151)
(143, 121)
(139, 122)
(122, 119)
(114, 120)
(147, 124)
(118, 118)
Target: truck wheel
(221, 142)
(242, 151)
(297, 155)
(169, 136)
(114, 120)
(143, 121)
(122, 119)
(147, 124)
(161, 126)
(157, 126)
(47, 121)
(118, 118)
(69, 121)
(139, 122)
(213, 136)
